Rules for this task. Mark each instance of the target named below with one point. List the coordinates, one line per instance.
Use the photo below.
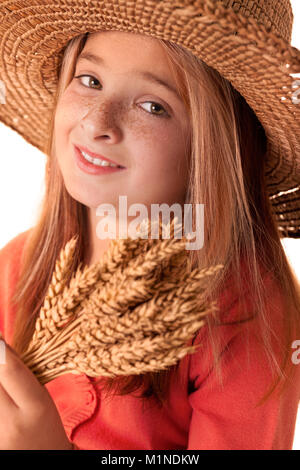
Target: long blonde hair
(228, 149)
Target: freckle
(130, 118)
(119, 114)
(141, 129)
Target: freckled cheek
(69, 111)
(66, 115)
(159, 154)
(170, 158)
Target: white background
(22, 169)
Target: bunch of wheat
(130, 313)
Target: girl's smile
(95, 167)
(93, 157)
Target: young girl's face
(117, 112)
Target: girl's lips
(90, 168)
(95, 155)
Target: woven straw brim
(33, 35)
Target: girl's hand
(29, 417)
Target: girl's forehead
(122, 51)
(122, 35)
(141, 44)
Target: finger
(5, 400)
(7, 406)
(19, 382)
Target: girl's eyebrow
(148, 75)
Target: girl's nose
(102, 121)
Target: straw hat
(246, 41)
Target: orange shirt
(200, 413)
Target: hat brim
(256, 61)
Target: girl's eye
(163, 114)
(88, 77)
(152, 103)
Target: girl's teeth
(97, 161)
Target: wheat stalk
(132, 312)
(56, 309)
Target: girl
(193, 100)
